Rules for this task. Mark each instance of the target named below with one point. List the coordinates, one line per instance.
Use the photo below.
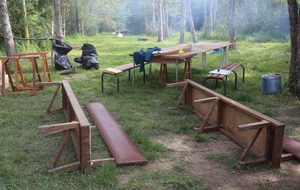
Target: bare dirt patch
(217, 174)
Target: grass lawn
(26, 154)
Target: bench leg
(224, 86)
(243, 73)
(224, 82)
(144, 76)
(129, 71)
(235, 79)
(102, 81)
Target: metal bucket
(271, 83)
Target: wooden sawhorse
(18, 71)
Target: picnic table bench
(120, 69)
(222, 72)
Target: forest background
(256, 20)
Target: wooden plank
(291, 146)
(277, 145)
(206, 119)
(252, 126)
(246, 151)
(85, 147)
(62, 146)
(288, 156)
(56, 133)
(75, 105)
(49, 83)
(53, 98)
(182, 95)
(254, 162)
(175, 49)
(117, 140)
(54, 110)
(210, 129)
(205, 100)
(72, 166)
(97, 162)
(59, 127)
(176, 84)
(112, 70)
(76, 143)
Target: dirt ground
(217, 175)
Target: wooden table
(170, 55)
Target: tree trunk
(232, 32)
(211, 19)
(58, 20)
(25, 19)
(160, 28)
(191, 22)
(153, 13)
(205, 17)
(165, 20)
(182, 21)
(294, 73)
(6, 29)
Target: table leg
(225, 56)
(176, 70)
(203, 63)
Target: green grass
(26, 154)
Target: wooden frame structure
(255, 132)
(77, 127)
(46, 71)
(18, 75)
(18, 72)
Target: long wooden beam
(59, 127)
(256, 125)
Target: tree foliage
(269, 18)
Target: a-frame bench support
(214, 101)
(252, 126)
(77, 127)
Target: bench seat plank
(291, 146)
(124, 151)
(120, 69)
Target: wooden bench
(257, 133)
(120, 69)
(222, 72)
(116, 139)
(78, 129)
